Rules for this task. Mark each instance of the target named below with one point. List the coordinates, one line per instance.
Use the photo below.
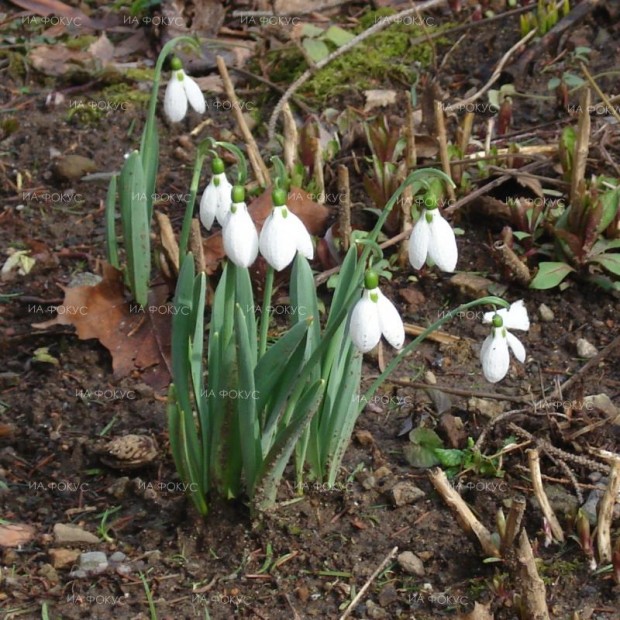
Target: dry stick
(411, 158)
(380, 25)
(605, 514)
(291, 139)
(494, 421)
(319, 179)
(388, 558)
(599, 92)
(464, 515)
(344, 206)
(443, 145)
(589, 364)
(513, 523)
(256, 161)
(496, 74)
(550, 449)
(541, 496)
(533, 592)
(169, 243)
(580, 156)
(416, 385)
(485, 189)
(195, 246)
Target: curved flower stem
(266, 313)
(166, 50)
(414, 343)
(242, 172)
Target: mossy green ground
(377, 62)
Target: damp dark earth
(481, 478)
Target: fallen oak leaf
(137, 338)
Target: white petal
(516, 317)
(240, 237)
(442, 245)
(364, 327)
(302, 236)
(175, 100)
(390, 322)
(494, 356)
(418, 242)
(194, 94)
(208, 206)
(515, 345)
(277, 242)
(224, 198)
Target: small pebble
(93, 562)
(404, 493)
(585, 349)
(545, 313)
(411, 563)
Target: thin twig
(541, 496)
(261, 171)
(605, 514)
(589, 364)
(496, 74)
(353, 604)
(380, 25)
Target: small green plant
(103, 529)
(136, 187)
(580, 242)
(544, 18)
(234, 430)
(426, 449)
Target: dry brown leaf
(58, 60)
(530, 183)
(379, 99)
(54, 8)
(15, 534)
(102, 49)
(138, 340)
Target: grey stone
(66, 533)
(411, 563)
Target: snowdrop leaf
(550, 274)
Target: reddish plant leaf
(138, 339)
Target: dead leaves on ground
(137, 338)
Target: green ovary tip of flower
(498, 321)
(217, 166)
(371, 280)
(238, 194)
(278, 197)
(176, 64)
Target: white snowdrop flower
(239, 234)
(495, 351)
(283, 235)
(514, 317)
(373, 316)
(432, 237)
(181, 89)
(216, 199)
